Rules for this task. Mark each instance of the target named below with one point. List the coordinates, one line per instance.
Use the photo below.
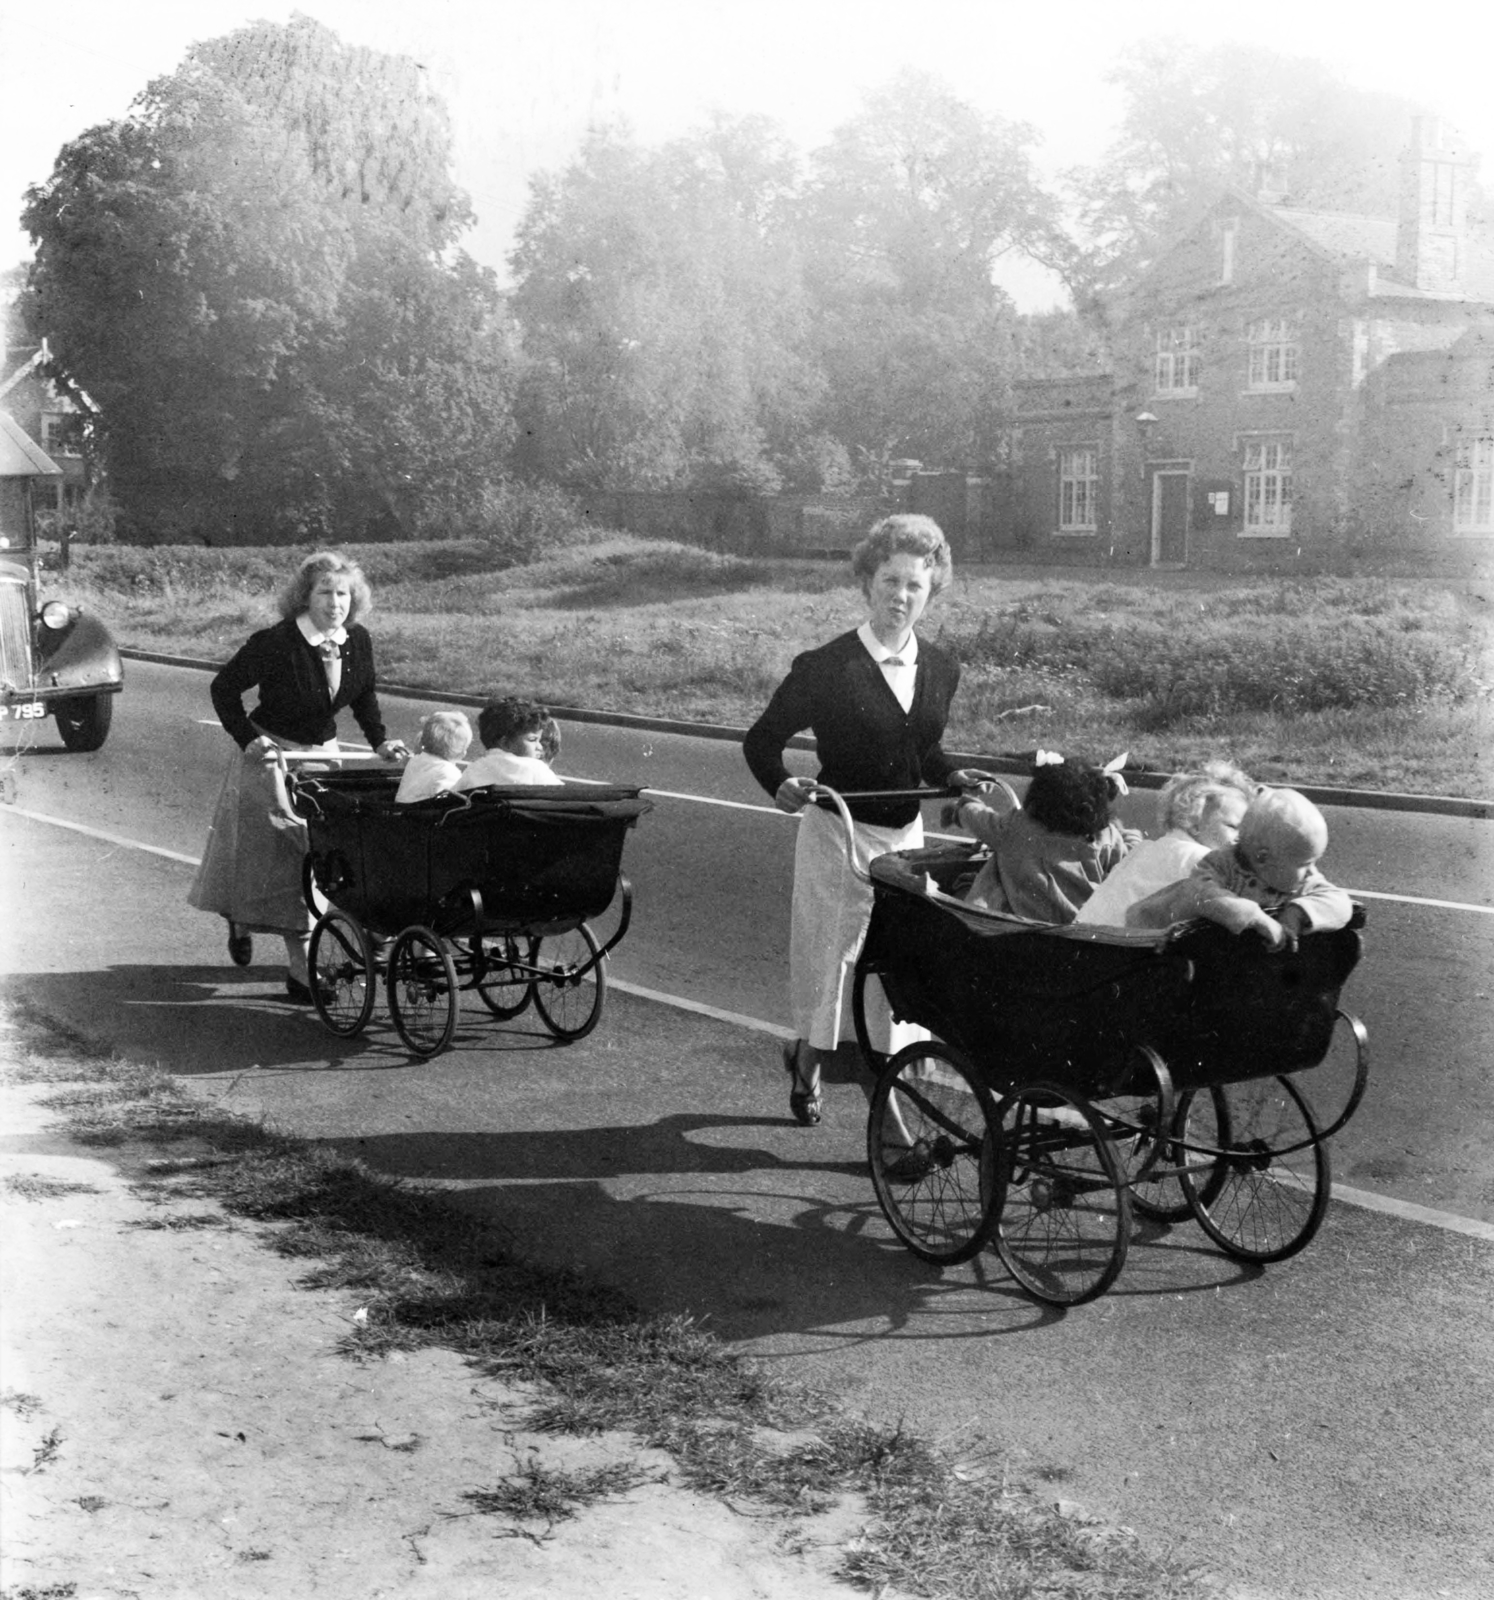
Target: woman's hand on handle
(394, 750)
(794, 794)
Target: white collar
(315, 639)
(879, 651)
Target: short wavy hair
(296, 595)
(1070, 797)
(507, 718)
(906, 533)
(1188, 798)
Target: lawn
(1360, 682)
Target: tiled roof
(20, 455)
(1354, 238)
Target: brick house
(1288, 387)
(54, 420)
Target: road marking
(1405, 1209)
(98, 833)
(773, 811)
(1409, 1211)
(1363, 894)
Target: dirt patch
(176, 1422)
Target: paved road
(1325, 1428)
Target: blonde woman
(317, 659)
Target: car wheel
(84, 722)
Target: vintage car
(55, 659)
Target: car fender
(79, 656)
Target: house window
(1078, 490)
(1273, 353)
(1227, 232)
(1268, 488)
(1473, 486)
(1176, 363)
(62, 433)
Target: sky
(522, 79)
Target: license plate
(23, 711)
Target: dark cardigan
(865, 739)
(293, 700)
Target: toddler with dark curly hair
(1049, 854)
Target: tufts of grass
(428, 1274)
(1162, 664)
(547, 1494)
(32, 1186)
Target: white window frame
(1175, 362)
(1273, 355)
(1473, 485)
(1267, 495)
(1079, 491)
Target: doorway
(1170, 496)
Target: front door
(1169, 519)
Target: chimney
(1429, 242)
(1271, 182)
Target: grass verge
(1355, 682)
(428, 1275)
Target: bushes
(520, 522)
(1289, 648)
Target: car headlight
(55, 615)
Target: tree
(253, 274)
(661, 314)
(1199, 118)
(909, 205)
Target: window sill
(1076, 533)
(1269, 388)
(1177, 394)
(1265, 533)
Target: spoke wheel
(344, 978)
(928, 1138)
(422, 988)
(1154, 1165)
(570, 983)
(1065, 1220)
(505, 973)
(1274, 1182)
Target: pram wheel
(928, 1139)
(1156, 1163)
(1274, 1176)
(570, 983)
(422, 988)
(1065, 1210)
(506, 977)
(344, 978)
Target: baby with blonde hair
(1267, 884)
(444, 738)
(1198, 812)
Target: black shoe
(805, 1105)
(240, 946)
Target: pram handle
(823, 791)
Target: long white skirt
(827, 927)
(251, 866)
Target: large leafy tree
(1198, 118)
(909, 206)
(661, 313)
(254, 275)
